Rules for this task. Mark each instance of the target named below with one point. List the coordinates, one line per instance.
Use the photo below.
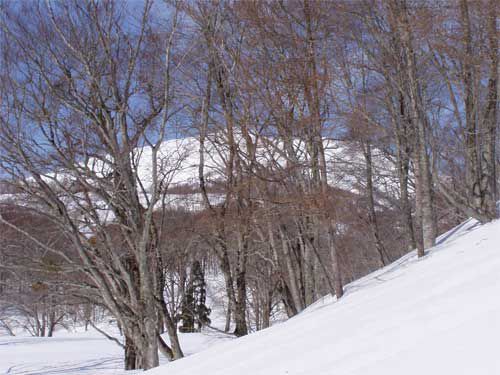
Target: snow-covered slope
(179, 159)
(436, 315)
(178, 166)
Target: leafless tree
(84, 103)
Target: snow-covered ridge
(178, 160)
(436, 315)
(178, 165)
(180, 157)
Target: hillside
(437, 315)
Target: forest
(283, 148)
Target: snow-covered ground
(437, 315)
(80, 352)
(66, 353)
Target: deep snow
(436, 315)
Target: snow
(66, 353)
(178, 161)
(82, 353)
(436, 315)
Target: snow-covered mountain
(436, 315)
(178, 166)
(179, 158)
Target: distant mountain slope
(437, 315)
(179, 159)
(178, 167)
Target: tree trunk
(266, 310)
(471, 129)
(131, 355)
(292, 284)
(229, 309)
(489, 129)
(402, 125)
(337, 275)
(308, 266)
(240, 305)
(165, 349)
(372, 216)
(149, 347)
(177, 352)
(419, 120)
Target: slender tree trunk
(419, 120)
(308, 267)
(229, 309)
(51, 324)
(401, 124)
(471, 128)
(337, 275)
(292, 283)
(174, 351)
(372, 215)
(418, 210)
(406, 205)
(266, 309)
(240, 320)
(488, 157)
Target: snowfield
(437, 315)
(81, 353)
(66, 353)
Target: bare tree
(85, 102)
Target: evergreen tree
(194, 309)
(200, 295)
